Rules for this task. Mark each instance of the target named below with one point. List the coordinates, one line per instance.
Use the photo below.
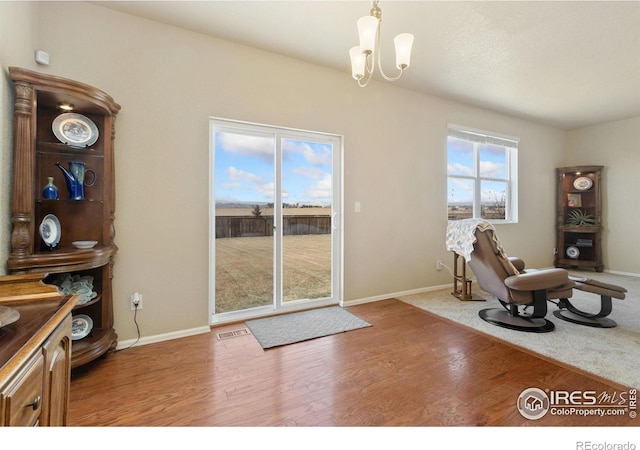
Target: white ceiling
(569, 64)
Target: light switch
(357, 207)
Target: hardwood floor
(411, 368)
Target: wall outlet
(136, 301)
(439, 265)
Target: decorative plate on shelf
(582, 183)
(84, 244)
(573, 252)
(81, 326)
(75, 130)
(8, 315)
(50, 230)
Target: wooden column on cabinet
(23, 156)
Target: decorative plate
(582, 183)
(50, 230)
(81, 326)
(84, 244)
(573, 252)
(75, 129)
(8, 316)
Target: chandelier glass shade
(365, 56)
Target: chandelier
(365, 56)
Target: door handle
(35, 404)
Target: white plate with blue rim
(75, 130)
(573, 252)
(81, 326)
(50, 230)
(583, 183)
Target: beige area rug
(302, 326)
(612, 353)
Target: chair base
(597, 322)
(502, 318)
(572, 314)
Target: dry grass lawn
(244, 270)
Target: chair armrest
(517, 263)
(541, 279)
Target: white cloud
(266, 190)
(259, 146)
(321, 189)
(247, 181)
(241, 175)
(459, 169)
(311, 172)
(491, 169)
(316, 157)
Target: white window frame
(478, 137)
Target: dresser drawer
(23, 397)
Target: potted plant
(579, 217)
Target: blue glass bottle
(50, 191)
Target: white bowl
(84, 244)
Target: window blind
(481, 138)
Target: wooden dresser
(35, 353)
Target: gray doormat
(302, 326)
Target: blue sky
(244, 170)
(460, 161)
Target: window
(481, 175)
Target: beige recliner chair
(523, 295)
(518, 289)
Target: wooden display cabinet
(579, 218)
(38, 101)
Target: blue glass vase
(50, 191)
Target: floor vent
(232, 334)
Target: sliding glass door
(306, 219)
(275, 220)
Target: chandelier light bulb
(403, 43)
(368, 31)
(358, 62)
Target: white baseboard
(162, 337)
(394, 295)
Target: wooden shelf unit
(585, 239)
(36, 150)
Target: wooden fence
(244, 226)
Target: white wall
(616, 146)
(169, 81)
